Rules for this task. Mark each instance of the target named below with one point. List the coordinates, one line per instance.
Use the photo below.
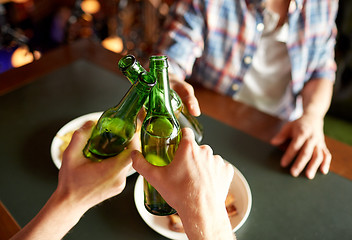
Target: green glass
(160, 133)
(117, 125)
(131, 68)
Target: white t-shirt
(266, 84)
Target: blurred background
(30, 28)
(37, 26)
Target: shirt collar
(259, 4)
(256, 4)
(261, 1)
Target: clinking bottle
(117, 125)
(160, 133)
(131, 68)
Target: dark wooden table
(225, 110)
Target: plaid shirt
(214, 41)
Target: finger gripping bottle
(131, 68)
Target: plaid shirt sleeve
(312, 42)
(183, 38)
(215, 38)
(326, 66)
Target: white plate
(239, 188)
(70, 127)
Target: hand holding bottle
(197, 189)
(82, 184)
(85, 178)
(186, 93)
(131, 68)
(117, 125)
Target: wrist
(61, 198)
(311, 113)
(206, 221)
(61, 213)
(54, 220)
(75, 206)
(314, 118)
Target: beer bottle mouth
(126, 62)
(158, 61)
(147, 79)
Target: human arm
(306, 133)
(182, 40)
(82, 184)
(307, 148)
(197, 189)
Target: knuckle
(305, 153)
(327, 155)
(207, 149)
(188, 142)
(188, 88)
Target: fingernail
(294, 173)
(87, 125)
(195, 110)
(134, 154)
(310, 175)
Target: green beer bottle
(160, 133)
(117, 125)
(130, 67)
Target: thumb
(143, 167)
(281, 136)
(78, 141)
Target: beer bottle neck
(134, 99)
(130, 67)
(160, 101)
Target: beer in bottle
(131, 68)
(160, 133)
(117, 125)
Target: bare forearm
(207, 223)
(317, 97)
(53, 221)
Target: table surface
(83, 78)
